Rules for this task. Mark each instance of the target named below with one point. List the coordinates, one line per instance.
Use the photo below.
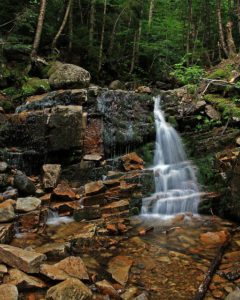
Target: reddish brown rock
(63, 192)
(115, 207)
(93, 142)
(73, 266)
(231, 257)
(132, 161)
(27, 261)
(7, 211)
(106, 288)
(8, 292)
(112, 229)
(54, 250)
(94, 188)
(22, 280)
(214, 239)
(119, 267)
(93, 200)
(31, 221)
(65, 208)
(71, 288)
(53, 272)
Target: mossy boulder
(63, 75)
(226, 106)
(35, 86)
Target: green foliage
(34, 86)
(187, 75)
(204, 123)
(222, 73)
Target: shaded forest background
(126, 39)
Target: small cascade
(54, 219)
(176, 188)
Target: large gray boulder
(68, 76)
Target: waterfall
(176, 188)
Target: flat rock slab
(63, 192)
(73, 266)
(71, 289)
(54, 250)
(119, 267)
(28, 204)
(53, 272)
(22, 280)
(94, 188)
(8, 292)
(27, 261)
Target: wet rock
(65, 208)
(106, 288)
(8, 291)
(92, 157)
(27, 261)
(6, 233)
(3, 167)
(94, 200)
(51, 174)
(129, 294)
(7, 211)
(142, 296)
(53, 272)
(24, 184)
(214, 238)
(212, 113)
(119, 267)
(70, 289)
(115, 207)
(32, 221)
(94, 188)
(116, 85)
(22, 280)
(132, 161)
(54, 250)
(231, 257)
(65, 128)
(144, 90)
(51, 99)
(235, 295)
(63, 192)
(93, 140)
(28, 204)
(68, 76)
(73, 266)
(3, 180)
(87, 213)
(10, 193)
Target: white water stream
(176, 188)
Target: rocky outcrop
(51, 175)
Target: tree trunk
(230, 42)
(54, 43)
(70, 30)
(220, 28)
(150, 15)
(38, 33)
(189, 31)
(114, 31)
(92, 23)
(102, 36)
(238, 14)
(133, 53)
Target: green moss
(34, 86)
(7, 105)
(11, 91)
(222, 73)
(226, 106)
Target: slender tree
(220, 28)
(100, 60)
(150, 14)
(64, 21)
(39, 28)
(92, 22)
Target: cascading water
(176, 188)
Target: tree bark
(189, 32)
(150, 15)
(133, 53)
(92, 23)
(65, 18)
(114, 31)
(70, 29)
(230, 41)
(238, 14)
(220, 28)
(102, 36)
(39, 28)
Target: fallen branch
(203, 288)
